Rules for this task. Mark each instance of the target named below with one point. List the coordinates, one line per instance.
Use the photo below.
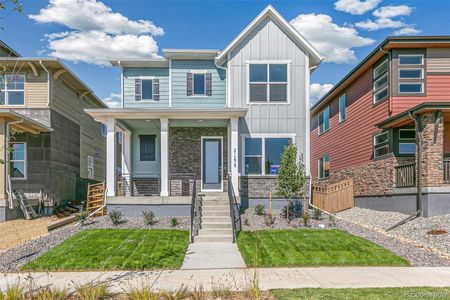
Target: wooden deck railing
(405, 175)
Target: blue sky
(85, 33)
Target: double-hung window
(268, 82)
(147, 89)
(324, 120)
(411, 73)
(324, 167)
(342, 108)
(381, 82)
(381, 144)
(199, 84)
(12, 90)
(18, 161)
(147, 147)
(263, 155)
(407, 141)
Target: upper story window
(324, 167)
(199, 83)
(268, 82)
(410, 59)
(103, 130)
(410, 73)
(147, 147)
(407, 141)
(18, 161)
(410, 87)
(12, 90)
(146, 89)
(381, 144)
(324, 120)
(342, 108)
(381, 82)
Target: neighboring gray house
(216, 117)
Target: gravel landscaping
(14, 258)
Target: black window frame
(149, 155)
(321, 164)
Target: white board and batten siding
(268, 42)
(66, 102)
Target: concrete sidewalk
(237, 279)
(201, 256)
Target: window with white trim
(147, 89)
(410, 59)
(90, 167)
(381, 144)
(268, 82)
(410, 87)
(381, 82)
(411, 74)
(18, 160)
(342, 108)
(407, 141)
(262, 155)
(103, 130)
(324, 166)
(12, 90)
(323, 120)
(199, 83)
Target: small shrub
(269, 220)
(92, 291)
(306, 219)
(82, 217)
(291, 211)
(259, 209)
(317, 214)
(144, 293)
(246, 222)
(174, 222)
(331, 221)
(116, 217)
(51, 294)
(149, 218)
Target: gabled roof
(190, 53)
(269, 11)
(7, 48)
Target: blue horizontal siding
(179, 84)
(130, 74)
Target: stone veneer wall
(257, 186)
(376, 178)
(185, 157)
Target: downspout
(390, 79)
(48, 82)
(419, 200)
(8, 186)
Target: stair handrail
(233, 204)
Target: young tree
(7, 7)
(291, 174)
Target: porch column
(4, 168)
(234, 163)
(164, 157)
(111, 157)
(126, 158)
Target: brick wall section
(432, 150)
(258, 186)
(376, 178)
(185, 156)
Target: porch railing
(406, 175)
(195, 212)
(235, 213)
(447, 170)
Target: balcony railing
(405, 175)
(447, 170)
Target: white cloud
(97, 47)
(318, 90)
(113, 100)
(333, 41)
(92, 15)
(385, 20)
(356, 7)
(96, 34)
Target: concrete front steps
(215, 222)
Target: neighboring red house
(385, 122)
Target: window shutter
(137, 89)
(189, 84)
(156, 89)
(208, 79)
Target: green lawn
(312, 247)
(116, 249)
(366, 294)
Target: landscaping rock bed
(14, 258)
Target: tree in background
(291, 175)
(7, 7)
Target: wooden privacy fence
(333, 197)
(96, 199)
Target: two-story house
(48, 142)
(386, 126)
(213, 117)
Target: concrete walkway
(212, 256)
(238, 279)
